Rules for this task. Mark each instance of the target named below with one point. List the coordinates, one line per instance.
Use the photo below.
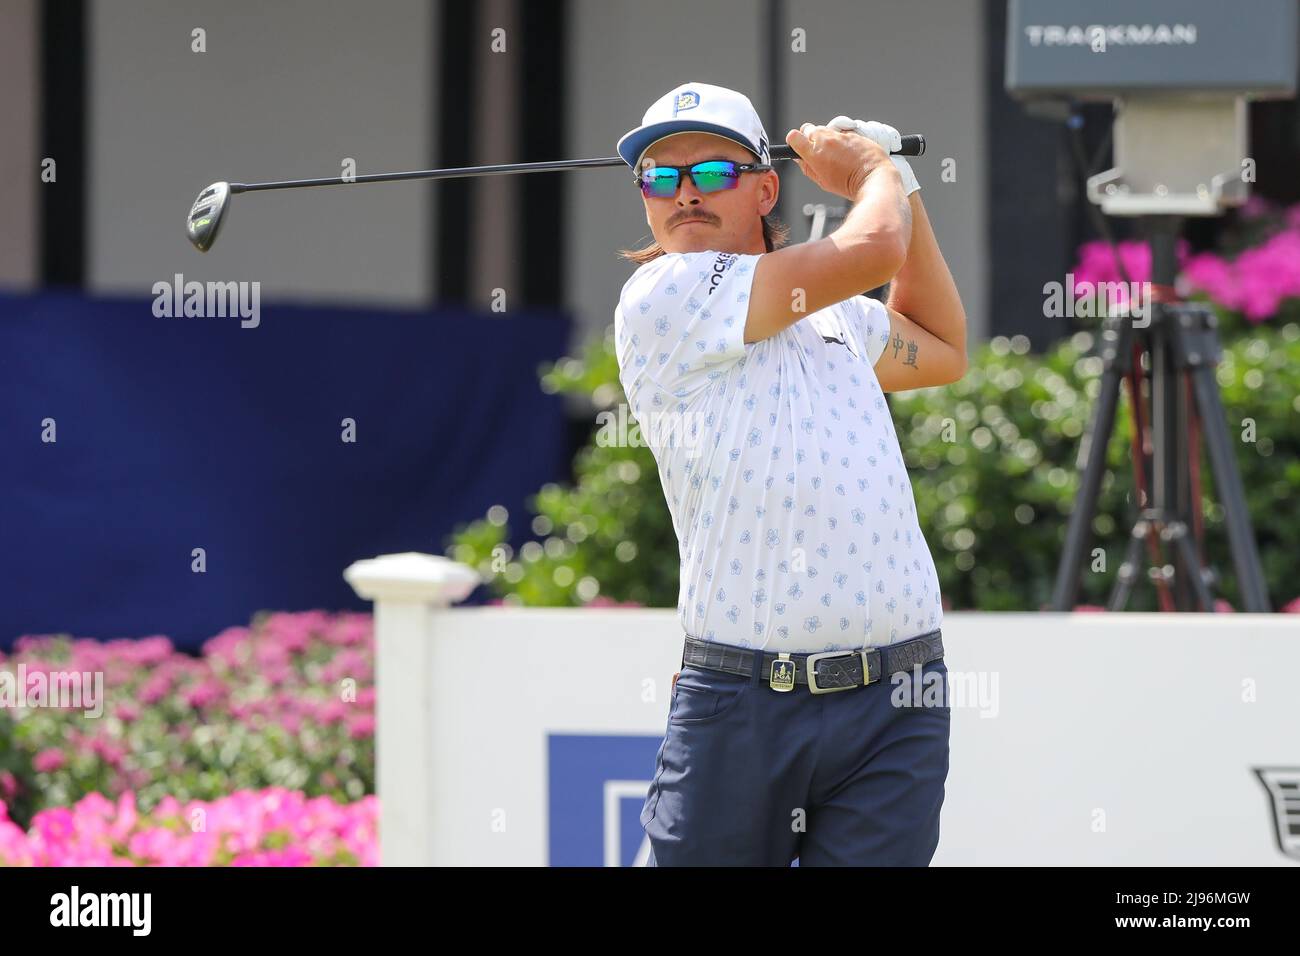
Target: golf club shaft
(913, 145)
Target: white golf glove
(886, 136)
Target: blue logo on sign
(596, 785)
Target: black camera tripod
(1180, 345)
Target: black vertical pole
(543, 95)
(63, 139)
(1168, 415)
(1026, 222)
(459, 49)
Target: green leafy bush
(608, 536)
(995, 497)
(993, 461)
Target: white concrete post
(408, 589)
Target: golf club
(209, 209)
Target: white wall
(1077, 739)
(285, 90)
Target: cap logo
(686, 101)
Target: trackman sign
(1122, 34)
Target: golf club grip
(913, 145)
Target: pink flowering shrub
(1257, 283)
(287, 702)
(1255, 276)
(1097, 262)
(273, 827)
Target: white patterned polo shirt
(795, 520)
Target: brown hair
(775, 235)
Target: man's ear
(769, 192)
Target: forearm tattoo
(912, 349)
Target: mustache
(696, 216)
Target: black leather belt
(820, 673)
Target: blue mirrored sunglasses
(662, 182)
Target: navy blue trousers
(750, 776)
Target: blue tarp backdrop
(183, 433)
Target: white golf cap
(698, 108)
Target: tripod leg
(1241, 537)
(1187, 564)
(1129, 569)
(1092, 455)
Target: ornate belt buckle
(782, 674)
(811, 664)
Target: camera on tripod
(1180, 74)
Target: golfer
(810, 716)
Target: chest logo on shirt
(839, 341)
(720, 265)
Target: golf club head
(206, 215)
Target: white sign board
(528, 736)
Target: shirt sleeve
(875, 326)
(680, 321)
